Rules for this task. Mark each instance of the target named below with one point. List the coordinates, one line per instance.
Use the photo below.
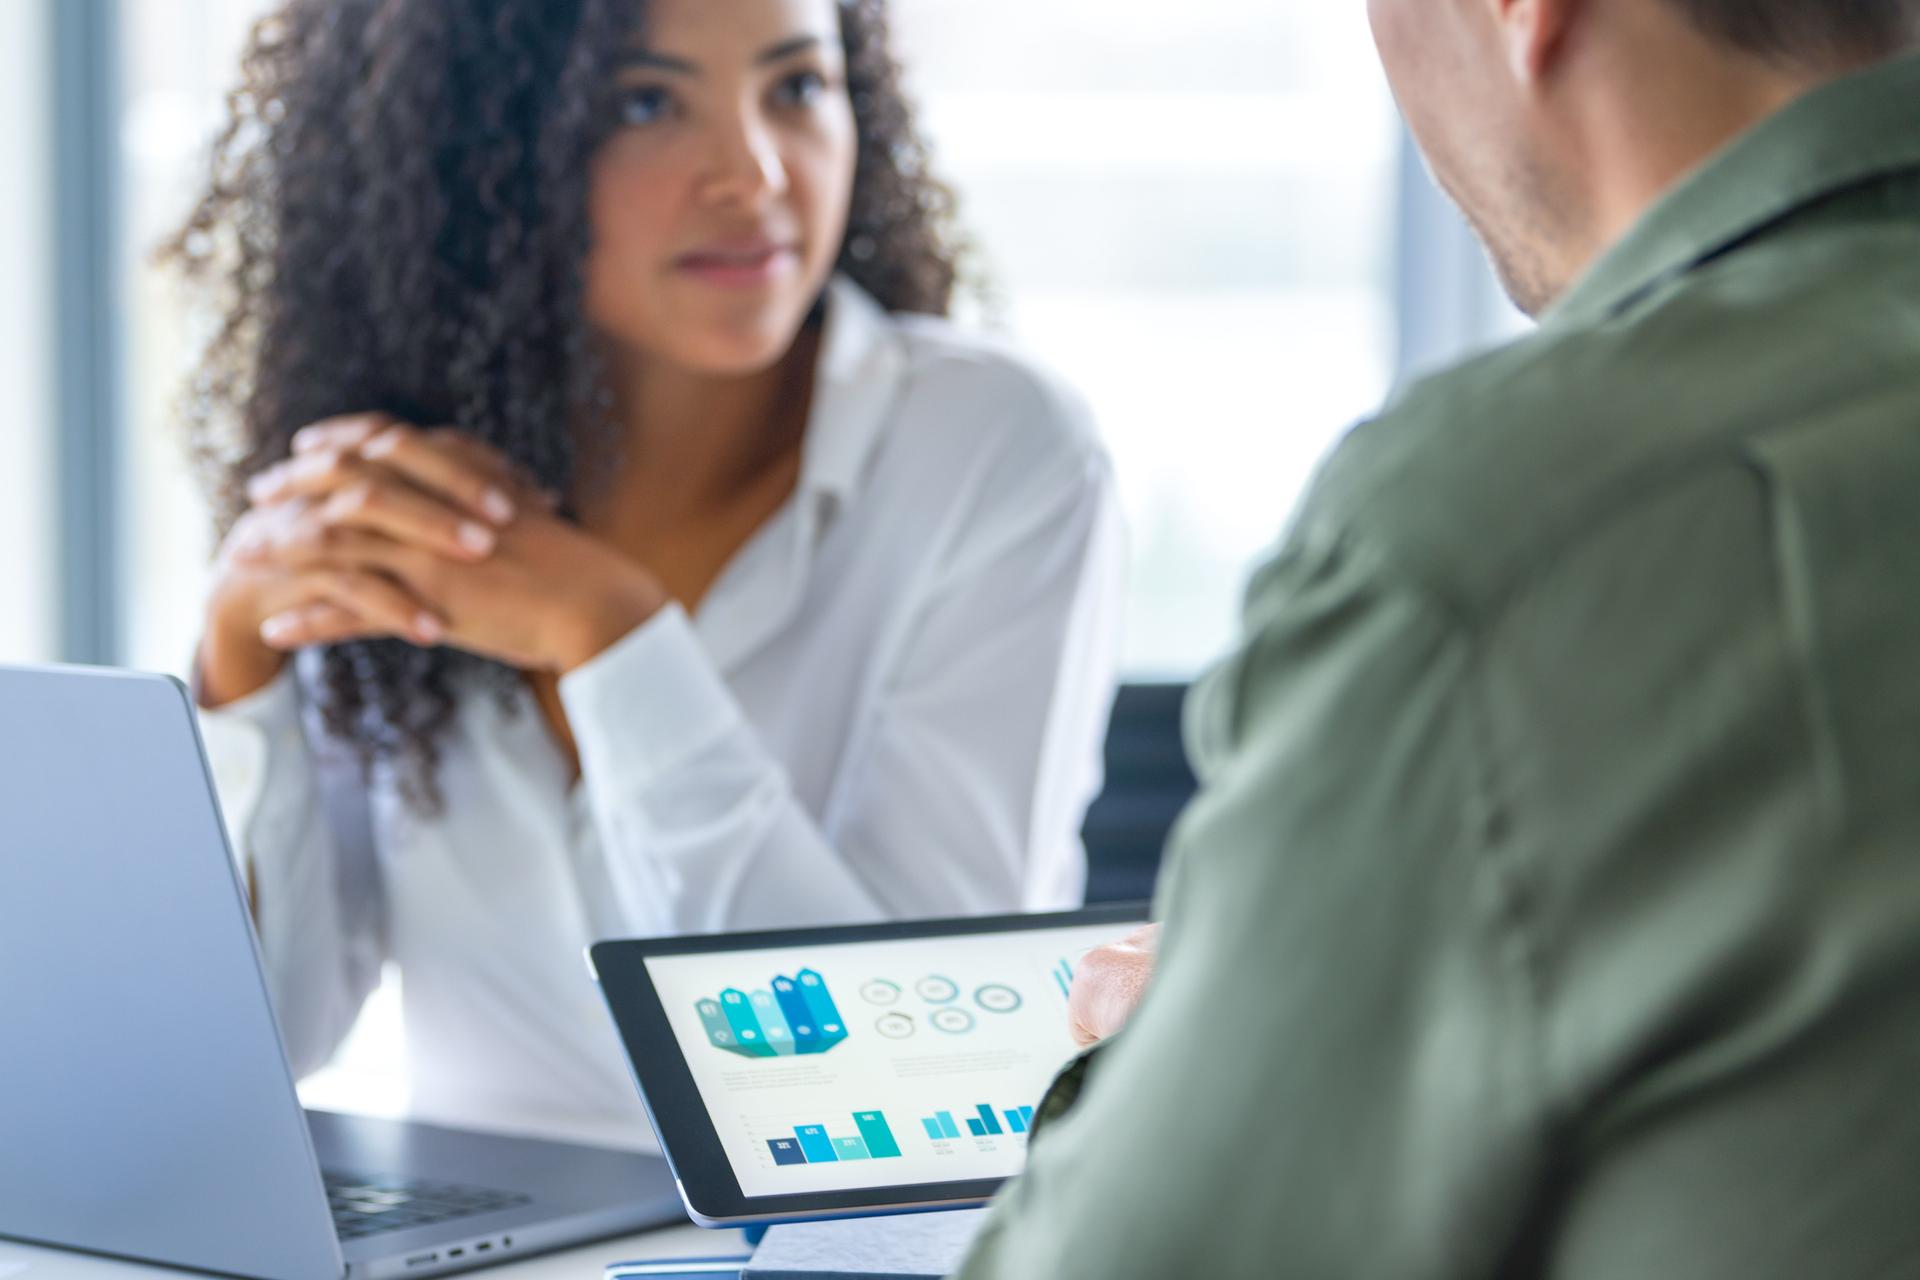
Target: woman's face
(720, 205)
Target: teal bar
(719, 1030)
(746, 1027)
(772, 1021)
(851, 1149)
(1026, 1113)
(947, 1126)
(987, 1121)
(1015, 1121)
(873, 1127)
(933, 1129)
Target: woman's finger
(381, 605)
(342, 434)
(476, 480)
(312, 474)
(312, 544)
(305, 626)
(517, 479)
(410, 517)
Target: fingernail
(498, 506)
(259, 487)
(276, 628)
(380, 446)
(476, 538)
(427, 629)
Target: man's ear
(1535, 31)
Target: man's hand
(1109, 984)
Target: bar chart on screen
(872, 1139)
(981, 1122)
(788, 1017)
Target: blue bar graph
(983, 1123)
(933, 1129)
(794, 1015)
(811, 1144)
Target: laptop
(146, 1106)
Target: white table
(24, 1262)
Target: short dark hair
(1809, 30)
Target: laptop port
(422, 1259)
(507, 1242)
(483, 1246)
(456, 1253)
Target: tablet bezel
(679, 1114)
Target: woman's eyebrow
(666, 62)
(656, 61)
(787, 48)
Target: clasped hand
(377, 529)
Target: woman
(659, 557)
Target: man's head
(1555, 123)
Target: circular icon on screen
(894, 1026)
(937, 990)
(881, 992)
(995, 998)
(952, 1021)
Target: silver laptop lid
(146, 1107)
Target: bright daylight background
(1208, 223)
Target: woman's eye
(645, 105)
(802, 89)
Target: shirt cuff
(648, 704)
(239, 736)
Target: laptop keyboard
(364, 1206)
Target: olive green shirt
(1551, 906)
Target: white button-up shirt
(890, 705)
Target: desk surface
(24, 1262)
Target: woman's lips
(745, 267)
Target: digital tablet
(839, 1072)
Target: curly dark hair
(397, 220)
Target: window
(178, 59)
(1191, 217)
(28, 555)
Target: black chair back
(1148, 783)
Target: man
(1552, 904)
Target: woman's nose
(747, 163)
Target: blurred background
(1211, 221)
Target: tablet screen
(875, 1063)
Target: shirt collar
(1852, 131)
(856, 379)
